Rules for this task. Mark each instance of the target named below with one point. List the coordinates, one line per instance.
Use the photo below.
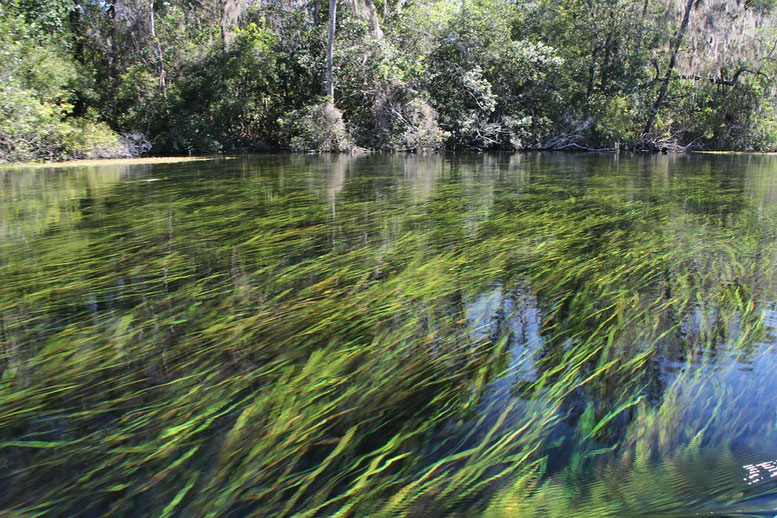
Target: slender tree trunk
(76, 25)
(223, 23)
(316, 12)
(592, 73)
(159, 55)
(330, 86)
(678, 40)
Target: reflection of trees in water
(423, 173)
(703, 379)
(761, 181)
(657, 314)
(508, 316)
(33, 200)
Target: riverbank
(106, 161)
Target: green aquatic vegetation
(387, 336)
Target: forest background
(109, 78)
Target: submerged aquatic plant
(387, 336)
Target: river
(390, 335)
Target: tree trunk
(678, 40)
(330, 86)
(76, 25)
(591, 73)
(316, 12)
(368, 11)
(223, 23)
(159, 56)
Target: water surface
(390, 335)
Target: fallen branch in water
(572, 140)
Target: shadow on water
(390, 335)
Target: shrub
(319, 127)
(406, 123)
(83, 138)
(35, 112)
(35, 130)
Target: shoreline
(94, 162)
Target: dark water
(390, 335)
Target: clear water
(390, 335)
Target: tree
(330, 43)
(158, 50)
(675, 49)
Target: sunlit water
(390, 335)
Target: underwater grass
(308, 336)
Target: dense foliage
(85, 78)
